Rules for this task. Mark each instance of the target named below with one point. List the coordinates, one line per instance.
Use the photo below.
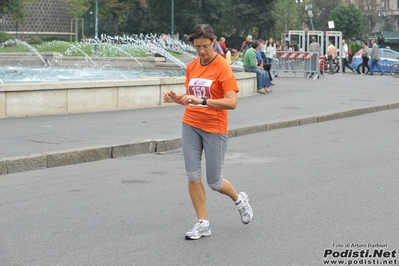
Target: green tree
(321, 11)
(16, 8)
(113, 13)
(349, 20)
(187, 14)
(77, 8)
(284, 11)
(116, 9)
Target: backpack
(349, 51)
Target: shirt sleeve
(259, 57)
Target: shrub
(50, 39)
(5, 37)
(34, 40)
(355, 47)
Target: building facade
(382, 15)
(44, 18)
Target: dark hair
(270, 43)
(255, 44)
(365, 42)
(202, 31)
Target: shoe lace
(197, 227)
(242, 208)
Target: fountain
(58, 68)
(110, 80)
(31, 48)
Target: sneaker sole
(195, 238)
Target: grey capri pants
(194, 140)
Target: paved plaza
(319, 190)
(295, 101)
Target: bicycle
(395, 70)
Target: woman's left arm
(229, 101)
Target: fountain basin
(55, 59)
(55, 98)
(64, 74)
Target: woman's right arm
(171, 97)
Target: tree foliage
(284, 11)
(76, 8)
(349, 20)
(229, 18)
(322, 10)
(16, 8)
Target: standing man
(331, 54)
(375, 56)
(314, 47)
(345, 57)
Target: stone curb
(89, 154)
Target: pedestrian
(236, 54)
(222, 44)
(217, 48)
(278, 46)
(345, 57)
(245, 43)
(289, 47)
(251, 65)
(314, 47)
(365, 57)
(270, 50)
(235, 57)
(331, 54)
(375, 57)
(211, 91)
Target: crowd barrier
(297, 63)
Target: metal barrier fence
(297, 63)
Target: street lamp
(96, 28)
(172, 18)
(298, 24)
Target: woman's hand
(191, 99)
(169, 97)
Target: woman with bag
(365, 57)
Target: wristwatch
(204, 100)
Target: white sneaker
(263, 91)
(201, 228)
(244, 208)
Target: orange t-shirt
(211, 81)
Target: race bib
(200, 88)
